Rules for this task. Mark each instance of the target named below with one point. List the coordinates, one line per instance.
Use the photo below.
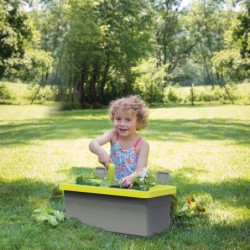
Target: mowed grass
(205, 148)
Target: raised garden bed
(128, 211)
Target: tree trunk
(81, 87)
(42, 84)
(206, 66)
(93, 82)
(70, 90)
(35, 95)
(104, 80)
(192, 94)
(223, 85)
(228, 94)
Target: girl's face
(125, 122)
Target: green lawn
(205, 148)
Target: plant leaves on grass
(53, 217)
(191, 207)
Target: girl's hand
(95, 146)
(104, 158)
(127, 181)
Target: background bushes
(20, 93)
(5, 94)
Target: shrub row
(207, 94)
(172, 94)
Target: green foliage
(83, 181)
(207, 23)
(92, 47)
(173, 37)
(218, 94)
(34, 66)
(4, 92)
(191, 207)
(230, 64)
(241, 32)
(24, 93)
(53, 217)
(100, 50)
(204, 94)
(191, 71)
(145, 180)
(172, 96)
(42, 94)
(150, 80)
(14, 34)
(100, 58)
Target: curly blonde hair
(132, 104)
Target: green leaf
(49, 215)
(52, 220)
(190, 208)
(40, 217)
(59, 215)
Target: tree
(241, 32)
(128, 38)
(230, 65)
(173, 37)
(207, 22)
(232, 62)
(103, 41)
(34, 66)
(14, 34)
(150, 80)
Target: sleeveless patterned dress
(124, 160)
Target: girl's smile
(125, 122)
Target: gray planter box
(127, 211)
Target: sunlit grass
(205, 148)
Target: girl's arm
(95, 146)
(141, 163)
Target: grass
(205, 148)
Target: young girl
(128, 152)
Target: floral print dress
(124, 160)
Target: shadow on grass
(232, 192)
(19, 198)
(52, 129)
(203, 234)
(201, 129)
(75, 127)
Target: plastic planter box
(126, 211)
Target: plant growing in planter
(83, 181)
(144, 181)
